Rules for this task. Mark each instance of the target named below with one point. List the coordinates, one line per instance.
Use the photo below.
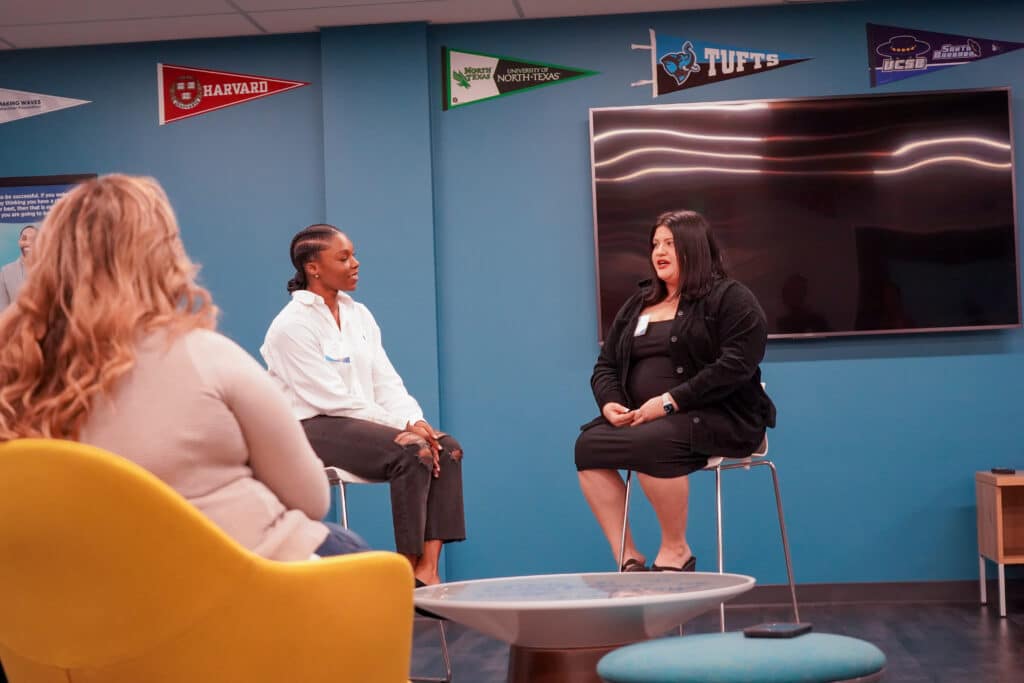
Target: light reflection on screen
(844, 215)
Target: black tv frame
(848, 333)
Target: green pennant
(471, 77)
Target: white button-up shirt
(325, 370)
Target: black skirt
(660, 448)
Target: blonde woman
(112, 343)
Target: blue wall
(240, 179)
(377, 175)
(476, 234)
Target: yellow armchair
(107, 575)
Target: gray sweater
(198, 412)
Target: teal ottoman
(734, 658)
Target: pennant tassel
(652, 46)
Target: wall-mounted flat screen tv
(844, 215)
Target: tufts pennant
(680, 63)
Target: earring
(317, 276)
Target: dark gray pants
(423, 507)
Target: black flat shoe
(633, 565)
(689, 566)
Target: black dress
(707, 358)
(660, 448)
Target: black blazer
(716, 344)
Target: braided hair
(306, 244)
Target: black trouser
(423, 507)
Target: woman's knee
(584, 453)
(416, 448)
(451, 446)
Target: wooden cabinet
(1000, 500)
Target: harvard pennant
(185, 91)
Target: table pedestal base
(536, 665)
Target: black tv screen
(844, 215)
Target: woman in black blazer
(677, 382)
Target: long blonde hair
(109, 267)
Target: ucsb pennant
(687, 63)
(895, 53)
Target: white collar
(304, 296)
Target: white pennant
(19, 104)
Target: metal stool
(339, 479)
(717, 465)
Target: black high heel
(423, 612)
(633, 565)
(689, 566)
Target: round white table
(560, 625)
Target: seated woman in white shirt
(325, 350)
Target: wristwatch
(666, 403)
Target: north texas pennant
(471, 77)
(895, 53)
(20, 104)
(185, 91)
(681, 63)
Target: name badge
(641, 326)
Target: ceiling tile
(447, 11)
(568, 8)
(55, 11)
(44, 23)
(128, 31)
(266, 5)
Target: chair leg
(444, 652)
(1002, 589)
(344, 505)
(981, 580)
(721, 556)
(445, 657)
(625, 521)
(785, 539)
(782, 529)
(334, 512)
